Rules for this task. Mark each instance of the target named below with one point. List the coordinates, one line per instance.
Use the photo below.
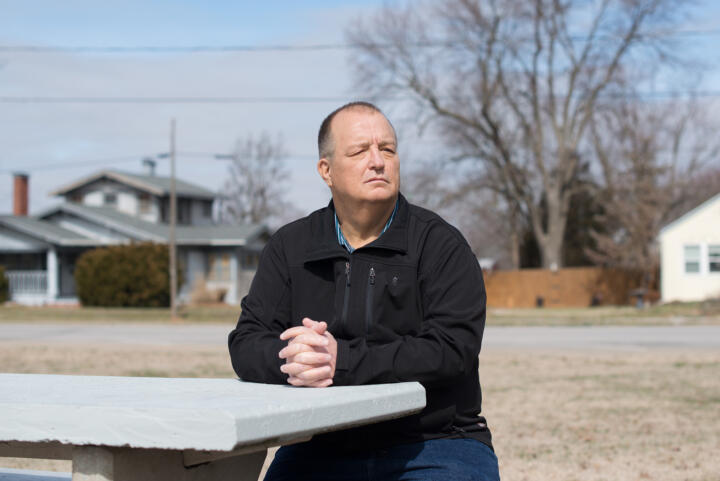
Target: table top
(187, 414)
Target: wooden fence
(568, 287)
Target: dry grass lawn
(691, 313)
(555, 415)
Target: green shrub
(134, 275)
(4, 286)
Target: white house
(690, 255)
(111, 207)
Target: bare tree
(255, 189)
(512, 85)
(483, 217)
(699, 187)
(650, 156)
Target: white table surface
(186, 414)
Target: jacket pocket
(395, 310)
(369, 300)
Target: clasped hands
(310, 355)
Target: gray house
(112, 207)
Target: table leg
(91, 463)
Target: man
(368, 290)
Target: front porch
(40, 278)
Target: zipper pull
(347, 273)
(372, 276)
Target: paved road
(601, 337)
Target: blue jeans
(437, 459)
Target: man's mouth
(375, 179)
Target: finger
(314, 374)
(319, 327)
(294, 349)
(312, 357)
(299, 382)
(313, 339)
(294, 332)
(295, 368)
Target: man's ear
(323, 168)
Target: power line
(152, 49)
(126, 159)
(168, 100)
(659, 94)
(82, 163)
(171, 49)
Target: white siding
(700, 227)
(127, 201)
(93, 199)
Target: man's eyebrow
(358, 145)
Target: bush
(134, 275)
(4, 286)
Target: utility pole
(173, 220)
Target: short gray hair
(326, 145)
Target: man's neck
(363, 223)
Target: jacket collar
(324, 243)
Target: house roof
(153, 184)
(46, 231)
(215, 235)
(689, 214)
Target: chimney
(149, 166)
(20, 194)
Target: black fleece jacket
(409, 306)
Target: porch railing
(27, 282)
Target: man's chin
(381, 196)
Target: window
(207, 209)
(714, 258)
(692, 259)
(219, 267)
(145, 203)
(250, 260)
(110, 199)
(183, 211)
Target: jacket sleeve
(255, 343)
(447, 345)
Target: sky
(57, 143)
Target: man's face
(365, 166)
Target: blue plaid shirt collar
(341, 238)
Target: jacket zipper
(346, 299)
(369, 300)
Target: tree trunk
(514, 249)
(551, 235)
(551, 250)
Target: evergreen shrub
(135, 275)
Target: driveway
(601, 337)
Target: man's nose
(376, 161)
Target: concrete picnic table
(157, 429)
